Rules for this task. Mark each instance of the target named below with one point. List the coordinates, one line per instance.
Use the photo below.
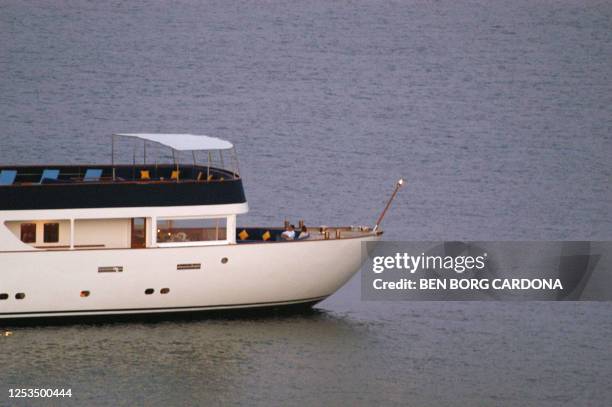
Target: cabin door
(139, 233)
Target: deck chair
(145, 175)
(92, 174)
(7, 177)
(49, 176)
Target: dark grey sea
(497, 113)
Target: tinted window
(28, 232)
(51, 234)
(191, 230)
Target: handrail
(73, 174)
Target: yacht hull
(76, 283)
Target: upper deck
(131, 186)
(135, 185)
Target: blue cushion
(49, 174)
(92, 175)
(7, 177)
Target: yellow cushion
(210, 177)
(175, 175)
(244, 235)
(145, 174)
(266, 235)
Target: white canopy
(183, 142)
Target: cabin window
(191, 230)
(51, 233)
(28, 232)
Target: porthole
(19, 296)
(164, 291)
(4, 296)
(224, 260)
(85, 293)
(149, 291)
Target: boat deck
(262, 234)
(88, 174)
(70, 187)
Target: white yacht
(153, 238)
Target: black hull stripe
(168, 309)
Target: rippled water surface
(498, 114)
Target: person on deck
(304, 234)
(289, 233)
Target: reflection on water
(376, 352)
(175, 362)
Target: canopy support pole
(194, 164)
(113, 155)
(176, 164)
(208, 168)
(134, 162)
(236, 163)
